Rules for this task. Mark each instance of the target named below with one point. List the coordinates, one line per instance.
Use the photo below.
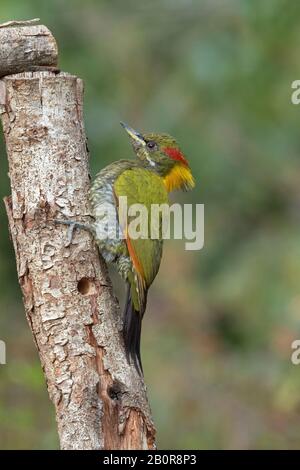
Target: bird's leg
(72, 225)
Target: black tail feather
(132, 326)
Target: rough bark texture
(26, 48)
(100, 401)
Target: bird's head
(161, 153)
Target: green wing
(145, 187)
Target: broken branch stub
(27, 47)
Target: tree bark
(100, 401)
(24, 48)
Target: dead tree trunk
(100, 401)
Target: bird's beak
(134, 135)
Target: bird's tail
(132, 326)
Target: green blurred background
(220, 322)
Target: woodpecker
(159, 168)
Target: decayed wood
(24, 47)
(100, 401)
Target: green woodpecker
(160, 167)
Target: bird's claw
(70, 233)
(71, 227)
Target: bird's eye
(151, 144)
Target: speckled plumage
(113, 250)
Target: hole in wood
(115, 391)
(86, 286)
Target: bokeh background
(220, 322)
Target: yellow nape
(180, 177)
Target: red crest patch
(175, 154)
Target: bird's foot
(72, 225)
